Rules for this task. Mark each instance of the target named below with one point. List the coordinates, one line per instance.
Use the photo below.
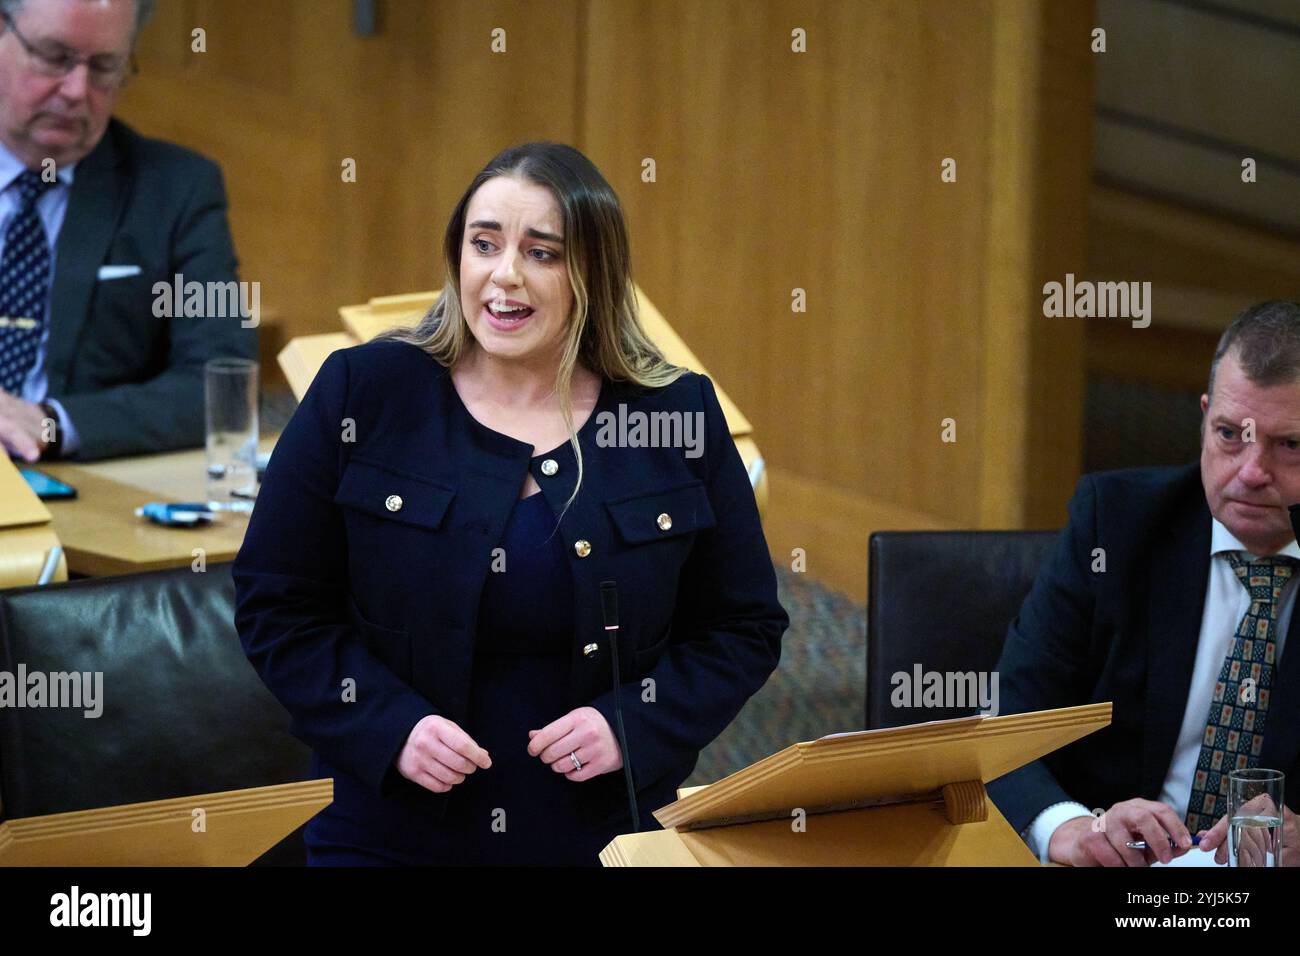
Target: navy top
(518, 811)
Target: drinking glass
(1255, 817)
(230, 398)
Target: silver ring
(577, 764)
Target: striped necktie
(1234, 728)
(24, 284)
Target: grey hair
(1265, 339)
(143, 11)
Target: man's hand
(583, 731)
(22, 427)
(1093, 841)
(1216, 838)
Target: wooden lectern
(238, 826)
(901, 796)
(302, 358)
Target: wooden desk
(100, 532)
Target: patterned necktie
(1234, 730)
(24, 284)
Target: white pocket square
(117, 272)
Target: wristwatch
(54, 449)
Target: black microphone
(1295, 521)
(609, 609)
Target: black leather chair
(183, 710)
(942, 600)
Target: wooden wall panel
(1042, 91)
(778, 171)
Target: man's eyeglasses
(104, 70)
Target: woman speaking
(469, 524)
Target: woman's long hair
(603, 330)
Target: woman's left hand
(583, 731)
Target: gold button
(549, 467)
(582, 548)
(393, 502)
(664, 521)
(590, 649)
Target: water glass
(230, 398)
(1255, 817)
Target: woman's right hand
(438, 755)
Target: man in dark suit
(1170, 593)
(94, 361)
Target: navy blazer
(1126, 635)
(131, 381)
(332, 583)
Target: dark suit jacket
(331, 584)
(1127, 635)
(132, 382)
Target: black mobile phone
(45, 486)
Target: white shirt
(1226, 602)
(51, 206)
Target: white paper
(1193, 857)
